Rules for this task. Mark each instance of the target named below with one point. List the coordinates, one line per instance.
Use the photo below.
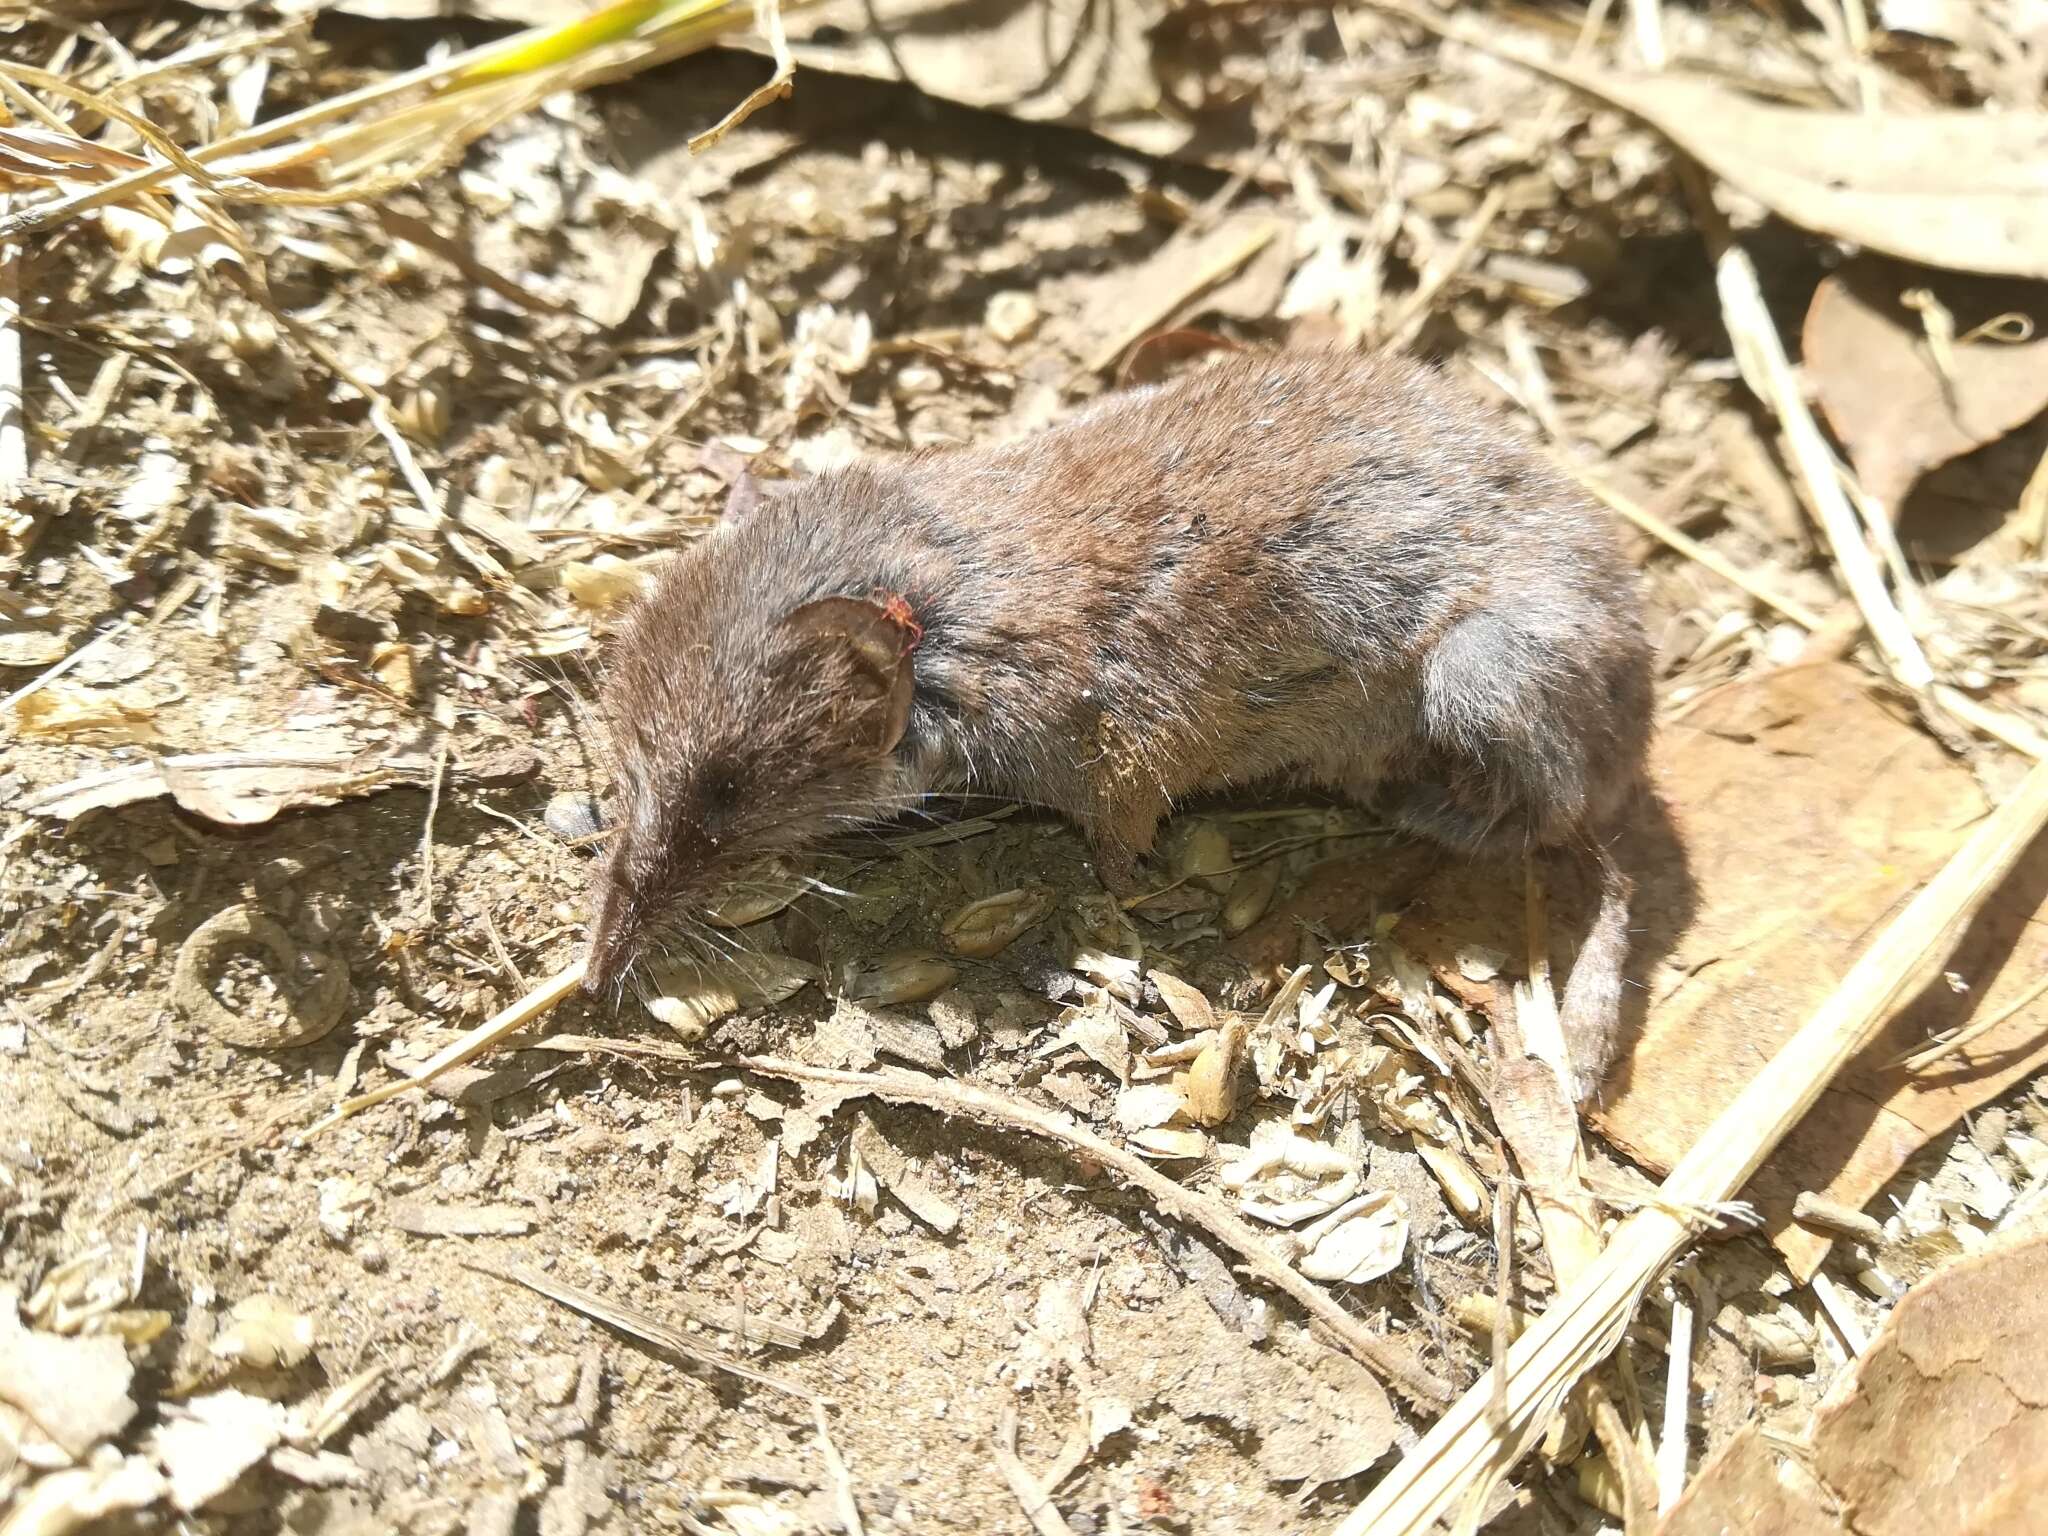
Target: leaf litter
(570, 370)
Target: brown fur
(1320, 568)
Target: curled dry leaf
(689, 996)
(989, 926)
(393, 664)
(1188, 1006)
(1096, 1028)
(1211, 1083)
(1169, 1144)
(853, 1185)
(1464, 1190)
(1204, 854)
(604, 583)
(1283, 1179)
(1146, 1106)
(266, 1333)
(1361, 1240)
(1902, 394)
(26, 645)
(902, 976)
(1250, 895)
(760, 894)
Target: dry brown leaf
(1958, 189)
(1945, 1427)
(1902, 401)
(241, 789)
(1190, 1009)
(66, 711)
(1807, 811)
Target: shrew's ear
(868, 642)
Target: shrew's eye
(721, 794)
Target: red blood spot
(897, 607)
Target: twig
(408, 466)
(1647, 17)
(1672, 1452)
(2000, 726)
(504, 956)
(2033, 509)
(768, 15)
(1631, 1469)
(1691, 548)
(13, 418)
(469, 1046)
(1369, 1348)
(427, 835)
(1836, 1306)
(419, 232)
(1921, 1060)
(835, 1466)
(1586, 1319)
(1414, 310)
(43, 679)
(1038, 1506)
(1502, 1333)
(1997, 724)
(633, 1321)
(1551, 1159)
(1760, 356)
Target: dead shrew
(1311, 567)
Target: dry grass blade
(1920, 1061)
(649, 1330)
(770, 15)
(1038, 1506)
(470, 1046)
(1768, 372)
(13, 427)
(1658, 529)
(1587, 1319)
(406, 127)
(1369, 1348)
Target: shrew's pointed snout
(615, 924)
